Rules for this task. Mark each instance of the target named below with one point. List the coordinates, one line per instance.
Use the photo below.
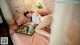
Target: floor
(3, 33)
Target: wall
(65, 28)
(49, 4)
(22, 5)
(6, 12)
(18, 6)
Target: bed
(22, 39)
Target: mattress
(35, 39)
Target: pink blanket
(35, 39)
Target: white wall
(49, 4)
(6, 12)
(65, 28)
(0, 18)
(23, 5)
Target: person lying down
(42, 22)
(35, 18)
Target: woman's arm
(46, 21)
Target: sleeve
(36, 18)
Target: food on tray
(25, 30)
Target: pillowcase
(43, 12)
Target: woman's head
(28, 14)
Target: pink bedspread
(35, 39)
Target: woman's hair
(25, 13)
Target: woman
(46, 21)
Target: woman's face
(29, 15)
